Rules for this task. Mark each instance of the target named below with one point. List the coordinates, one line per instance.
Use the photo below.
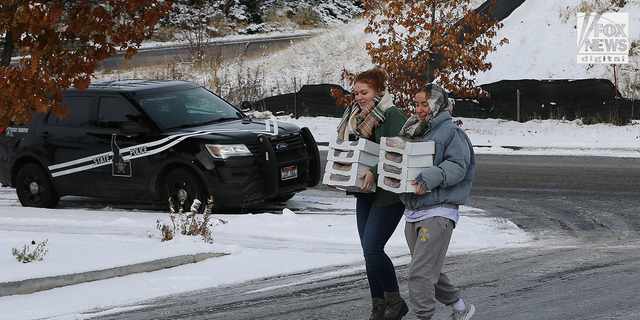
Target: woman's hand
(419, 189)
(369, 179)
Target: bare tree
(61, 44)
(420, 41)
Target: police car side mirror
(246, 106)
(131, 127)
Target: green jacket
(390, 127)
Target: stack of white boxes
(347, 160)
(401, 161)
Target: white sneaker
(465, 314)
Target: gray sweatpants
(428, 242)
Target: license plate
(290, 172)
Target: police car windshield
(187, 108)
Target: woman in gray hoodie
(431, 211)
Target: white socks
(459, 305)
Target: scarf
(362, 121)
(438, 103)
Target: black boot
(396, 307)
(377, 311)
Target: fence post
(295, 98)
(518, 104)
(615, 80)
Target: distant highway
(159, 56)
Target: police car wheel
(34, 188)
(182, 186)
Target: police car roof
(141, 86)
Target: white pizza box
(354, 189)
(345, 176)
(405, 160)
(352, 156)
(360, 144)
(405, 146)
(401, 173)
(396, 185)
(346, 168)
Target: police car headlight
(223, 151)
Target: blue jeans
(375, 227)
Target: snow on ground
(258, 245)
(541, 46)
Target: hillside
(542, 45)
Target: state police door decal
(119, 166)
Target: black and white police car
(154, 140)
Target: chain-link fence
(591, 100)
(309, 101)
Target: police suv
(155, 140)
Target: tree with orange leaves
(423, 41)
(61, 43)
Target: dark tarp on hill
(593, 100)
(500, 9)
(310, 101)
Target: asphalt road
(582, 211)
(578, 196)
(245, 48)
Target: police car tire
(187, 180)
(34, 187)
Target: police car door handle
(46, 135)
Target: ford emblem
(282, 145)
